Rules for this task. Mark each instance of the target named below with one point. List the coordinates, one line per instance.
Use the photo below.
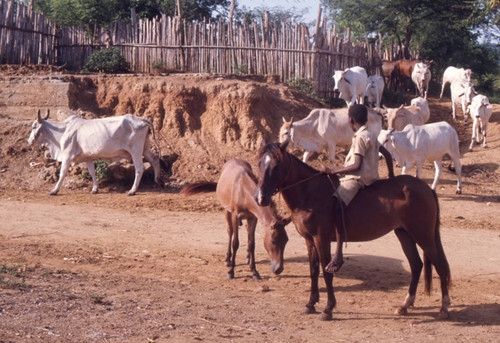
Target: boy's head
(358, 113)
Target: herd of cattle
(408, 137)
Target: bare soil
(110, 268)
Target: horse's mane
(275, 150)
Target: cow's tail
(199, 187)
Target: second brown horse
(235, 191)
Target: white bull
(451, 74)
(351, 83)
(374, 90)
(421, 75)
(78, 140)
(325, 129)
(462, 93)
(416, 144)
(480, 112)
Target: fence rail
(281, 48)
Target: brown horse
(235, 189)
(404, 204)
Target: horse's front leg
(314, 274)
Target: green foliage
(106, 61)
(304, 85)
(101, 170)
(276, 14)
(241, 69)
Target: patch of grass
(101, 170)
(13, 277)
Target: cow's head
(392, 114)
(286, 131)
(386, 139)
(339, 77)
(36, 127)
(468, 92)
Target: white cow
(417, 114)
(462, 93)
(480, 111)
(421, 75)
(78, 140)
(374, 90)
(324, 129)
(451, 74)
(432, 142)
(351, 83)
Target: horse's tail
(199, 187)
(441, 265)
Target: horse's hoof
(308, 310)
(325, 316)
(401, 311)
(256, 277)
(443, 314)
(230, 276)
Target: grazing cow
(389, 70)
(417, 114)
(351, 83)
(325, 129)
(421, 75)
(432, 142)
(78, 140)
(374, 90)
(480, 112)
(451, 74)
(462, 93)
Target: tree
(402, 20)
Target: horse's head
(271, 170)
(275, 239)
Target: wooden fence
(285, 49)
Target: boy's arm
(388, 160)
(358, 159)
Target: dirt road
(73, 272)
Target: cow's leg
(153, 159)
(475, 133)
(306, 155)
(91, 169)
(483, 129)
(438, 166)
(251, 225)
(458, 170)
(464, 111)
(442, 90)
(62, 174)
(139, 169)
(453, 110)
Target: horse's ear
(264, 143)
(284, 144)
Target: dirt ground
(110, 268)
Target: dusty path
(86, 273)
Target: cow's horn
(39, 118)
(47, 115)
